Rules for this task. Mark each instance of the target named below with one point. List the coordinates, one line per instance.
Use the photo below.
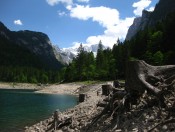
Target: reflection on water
(19, 108)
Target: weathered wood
(101, 104)
(82, 97)
(119, 94)
(162, 123)
(116, 83)
(146, 86)
(141, 76)
(106, 89)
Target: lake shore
(81, 114)
(67, 88)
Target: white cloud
(61, 13)
(103, 15)
(69, 7)
(18, 22)
(108, 18)
(55, 2)
(111, 34)
(151, 9)
(86, 1)
(142, 4)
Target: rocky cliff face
(133, 28)
(138, 24)
(64, 56)
(36, 42)
(163, 8)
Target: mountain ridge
(37, 43)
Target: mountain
(67, 54)
(36, 45)
(138, 24)
(64, 56)
(162, 9)
(27, 46)
(89, 48)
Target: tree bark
(141, 76)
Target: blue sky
(71, 22)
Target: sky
(71, 22)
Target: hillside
(26, 48)
(27, 56)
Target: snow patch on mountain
(68, 54)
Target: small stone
(76, 129)
(135, 130)
(64, 128)
(70, 130)
(145, 130)
(134, 106)
(118, 130)
(151, 119)
(58, 131)
(147, 116)
(164, 127)
(169, 104)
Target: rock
(151, 118)
(118, 130)
(70, 130)
(165, 127)
(58, 131)
(65, 129)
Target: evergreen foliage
(155, 45)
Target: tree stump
(82, 97)
(141, 76)
(116, 84)
(106, 89)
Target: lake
(20, 108)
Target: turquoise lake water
(20, 108)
